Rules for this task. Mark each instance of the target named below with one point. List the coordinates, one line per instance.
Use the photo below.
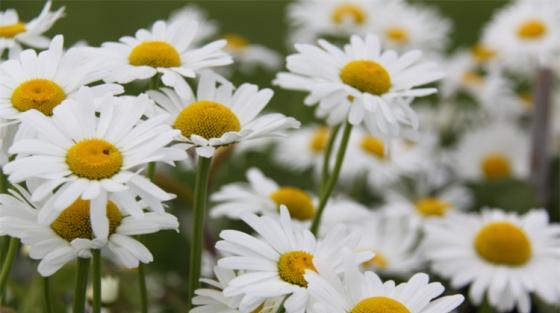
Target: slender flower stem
(327, 158)
(7, 266)
(81, 286)
(150, 173)
(199, 208)
(333, 178)
(47, 295)
(96, 277)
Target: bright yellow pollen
(397, 34)
(482, 53)
(319, 140)
(366, 76)
(531, 30)
(74, 221)
(236, 42)
(10, 31)
(432, 206)
(496, 166)
(379, 305)
(94, 159)
(298, 202)
(207, 119)
(154, 54)
(378, 260)
(39, 94)
(503, 243)
(373, 146)
(348, 11)
(292, 266)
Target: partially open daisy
(361, 83)
(303, 149)
(91, 148)
(248, 55)
(275, 263)
(14, 32)
(219, 114)
(503, 255)
(58, 240)
(366, 293)
(206, 27)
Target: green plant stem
(199, 208)
(485, 307)
(7, 266)
(327, 158)
(143, 289)
(96, 280)
(47, 295)
(81, 286)
(333, 178)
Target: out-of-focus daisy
(361, 83)
(91, 148)
(206, 28)
(58, 240)
(366, 292)
(274, 263)
(219, 114)
(493, 152)
(43, 81)
(165, 49)
(248, 55)
(14, 32)
(303, 149)
(503, 255)
(109, 290)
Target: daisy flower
(109, 290)
(206, 29)
(14, 32)
(219, 114)
(248, 55)
(43, 81)
(59, 240)
(361, 83)
(92, 148)
(165, 49)
(366, 292)
(303, 149)
(503, 255)
(274, 263)
(493, 152)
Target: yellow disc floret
(348, 11)
(292, 266)
(39, 94)
(319, 140)
(432, 206)
(366, 76)
(236, 42)
(94, 159)
(207, 119)
(503, 243)
(298, 202)
(154, 54)
(74, 222)
(397, 34)
(482, 53)
(531, 30)
(379, 305)
(12, 30)
(496, 166)
(373, 146)
(378, 260)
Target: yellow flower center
(10, 31)
(482, 53)
(373, 146)
(236, 42)
(378, 260)
(74, 222)
(154, 54)
(473, 78)
(397, 34)
(319, 140)
(496, 166)
(348, 11)
(39, 94)
(292, 266)
(366, 76)
(432, 206)
(379, 305)
(207, 119)
(531, 29)
(503, 243)
(298, 202)
(94, 159)
(526, 100)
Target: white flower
(505, 255)
(109, 290)
(303, 149)
(219, 114)
(248, 55)
(274, 263)
(361, 83)
(14, 32)
(206, 29)
(58, 240)
(94, 154)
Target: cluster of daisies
(386, 175)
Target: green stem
(96, 277)
(143, 288)
(199, 208)
(81, 286)
(7, 266)
(485, 307)
(327, 158)
(47, 295)
(333, 178)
